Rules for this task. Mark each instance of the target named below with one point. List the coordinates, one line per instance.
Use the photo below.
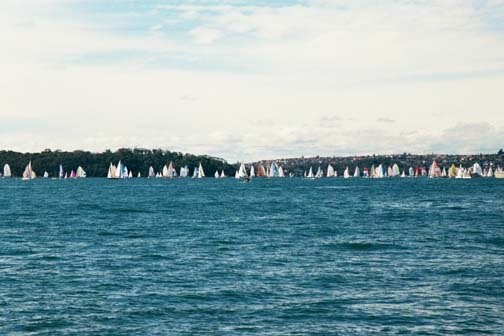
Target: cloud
(205, 35)
(385, 120)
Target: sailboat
(476, 170)
(490, 172)
(242, 172)
(73, 174)
(395, 170)
(130, 174)
(330, 171)
(28, 173)
(139, 175)
(403, 174)
(7, 171)
(273, 170)
(281, 172)
(310, 174)
(252, 171)
(319, 173)
(81, 173)
(111, 171)
(169, 171)
(260, 170)
(390, 172)
(346, 173)
(444, 173)
(222, 175)
(365, 172)
(61, 173)
(151, 173)
(411, 172)
(216, 175)
(452, 172)
(46, 174)
(201, 172)
(434, 170)
(356, 172)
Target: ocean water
(271, 257)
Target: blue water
(271, 257)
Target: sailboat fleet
(275, 170)
(434, 171)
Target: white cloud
(205, 35)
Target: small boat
(81, 173)
(7, 170)
(73, 174)
(241, 172)
(490, 172)
(452, 172)
(222, 175)
(29, 173)
(346, 173)
(201, 172)
(319, 173)
(395, 170)
(310, 174)
(281, 172)
(434, 170)
(139, 175)
(260, 170)
(216, 175)
(476, 170)
(365, 172)
(252, 171)
(151, 173)
(46, 174)
(61, 173)
(499, 173)
(330, 171)
(403, 175)
(411, 172)
(356, 172)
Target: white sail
(28, 172)
(195, 173)
(242, 171)
(111, 171)
(319, 173)
(46, 174)
(81, 172)
(7, 170)
(330, 171)
(130, 175)
(390, 172)
(346, 173)
(139, 175)
(170, 171)
(476, 169)
(237, 174)
(411, 172)
(356, 172)
(403, 173)
(222, 175)
(395, 170)
(216, 175)
(490, 172)
(252, 171)
(310, 173)
(280, 172)
(152, 173)
(165, 171)
(201, 172)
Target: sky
(253, 79)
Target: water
(272, 257)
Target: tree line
(97, 164)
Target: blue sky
(248, 80)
